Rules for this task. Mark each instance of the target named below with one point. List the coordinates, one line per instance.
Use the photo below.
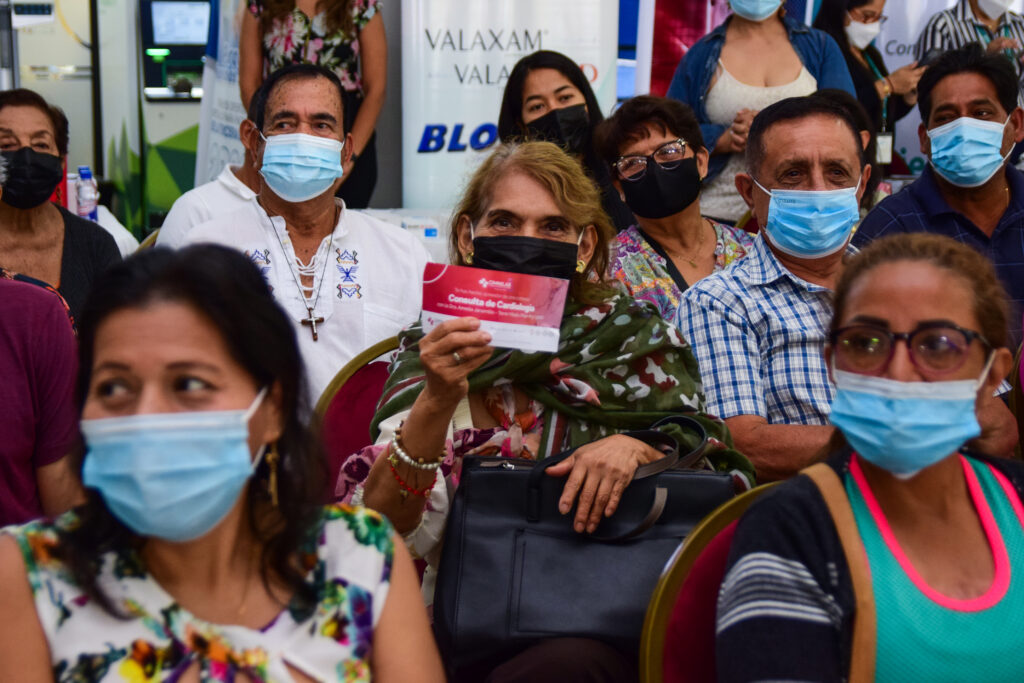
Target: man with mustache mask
(971, 120)
(658, 159)
(39, 239)
(346, 280)
(759, 327)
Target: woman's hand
(904, 80)
(1001, 43)
(600, 472)
(449, 353)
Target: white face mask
(860, 34)
(994, 8)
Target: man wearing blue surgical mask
(346, 280)
(968, 103)
(759, 328)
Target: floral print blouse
(296, 38)
(645, 273)
(348, 558)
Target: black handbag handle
(651, 437)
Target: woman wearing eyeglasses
(658, 160)
(917, 343)
(854, 24)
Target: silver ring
(457, 357)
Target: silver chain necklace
(311, 319)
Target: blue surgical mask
(755, 10)
(967, 152)
(173, 476)
(904, 427)
(811, 223)
(298, 167)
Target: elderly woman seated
(530, 209)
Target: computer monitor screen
(180, 22)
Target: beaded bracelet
(397, 449)
(406, 489)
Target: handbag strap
(862, 655)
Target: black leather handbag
(513, 571)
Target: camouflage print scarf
(619, 366)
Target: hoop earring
(273, 457)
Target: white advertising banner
(896, 43)
(221, 110)
(456, 58)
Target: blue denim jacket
(816, 49)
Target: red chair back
(346, 420)
(689, 655)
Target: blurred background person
(201, 551)
(658, 159)
(345, 36)
(548, 98)
(887, 97)
(918, 340)
(40, 239)
(726, 79)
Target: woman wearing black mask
(529, 208)
(658, 159)
(547, 97)
(37, 238)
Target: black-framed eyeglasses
(934, 348)
(669, 155)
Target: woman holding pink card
(529, 208)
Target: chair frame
(663, 600)
(350, 368)
(149, 242)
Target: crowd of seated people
(162, 474)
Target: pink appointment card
(520, 311)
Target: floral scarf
(619, 366)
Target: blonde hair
(574, 192)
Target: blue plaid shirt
(920, 207)
(759, 332)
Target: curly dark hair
(223, 286)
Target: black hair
(258, 104)
(969, 59)
(793, 109)
(223, 286)
(510, 118)
(860, 117)
(629, 123)
(23, 97)
(832, 20)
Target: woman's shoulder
(39, 543)
(356, 527)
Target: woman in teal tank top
(916, 351)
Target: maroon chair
(678, 640)
(348, 404)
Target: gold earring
(469, 259)
(581, 265)
(273, 457)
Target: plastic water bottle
(87, 194)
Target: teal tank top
(923, 635)
(926, 636)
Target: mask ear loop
(581, 265)
(986, 369)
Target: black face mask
(660, 193)
(527, 255)
(568, 128)
(31, 177)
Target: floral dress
(348, 559)
(648, 276)
(295, 38)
